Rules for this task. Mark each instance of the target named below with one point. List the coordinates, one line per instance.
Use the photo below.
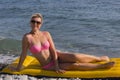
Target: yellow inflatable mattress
(32, 67)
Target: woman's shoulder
(46, 33)
(27, 36)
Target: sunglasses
(33, 21)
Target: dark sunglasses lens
(35, 22)
(32, 21)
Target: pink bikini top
(38, 48)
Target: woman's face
(36, 23)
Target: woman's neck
(38, 32)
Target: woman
(41, 45)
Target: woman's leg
(85, 66)
(78, 57)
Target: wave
(9, 46)
(1, 38)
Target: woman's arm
(54, 53)
(23, 54)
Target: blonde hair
(37, 15)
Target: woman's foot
(107, 65)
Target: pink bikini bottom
(49, 65)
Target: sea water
(84, 26)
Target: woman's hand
(58, 70)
